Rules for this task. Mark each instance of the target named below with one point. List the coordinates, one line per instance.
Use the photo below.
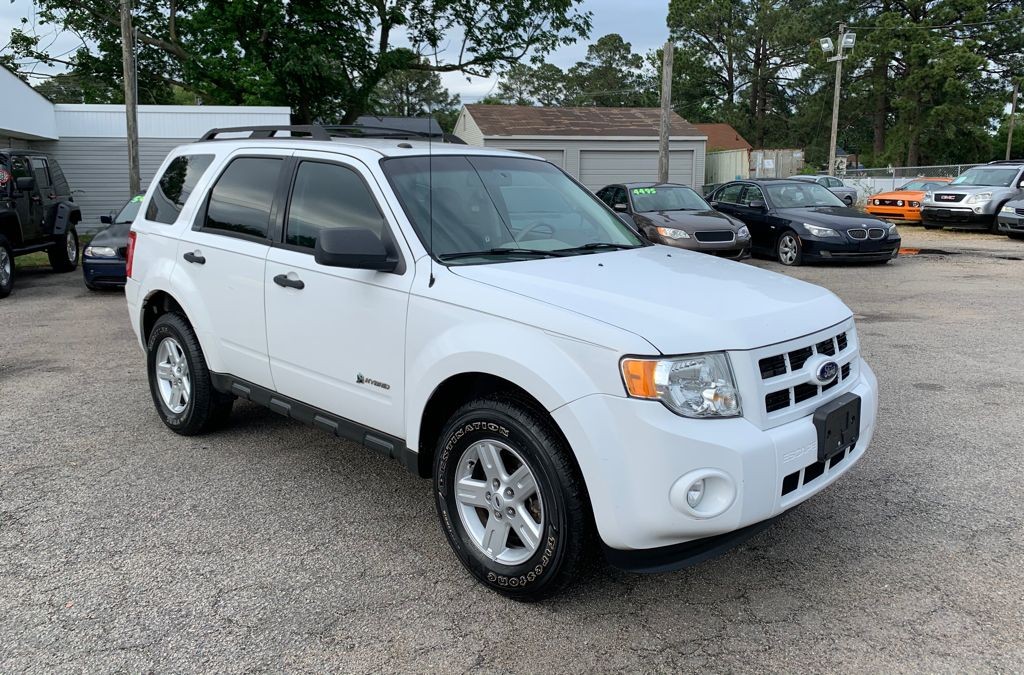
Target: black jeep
(37, 213)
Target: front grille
(876, 233)
(812, 472)
(793, 361)
(889, 202)
(858, 233)
(714, 236)
(1020, 212)
(948, 197)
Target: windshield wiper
(596, 246)
(501, 252)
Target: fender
(66, 217)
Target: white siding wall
(602, 167)
(466, 128)
(161, 121)
(688, 167)
(24, 112)
(98, 168)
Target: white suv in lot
(480, 316)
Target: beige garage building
(596, 145)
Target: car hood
(679, 301)
(841, 217)
(116, 235)
(689, 221)
(971, 189)
(915, 195)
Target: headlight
(915, 205)
(100, 252)
(878, 202)
(927, 196)
(817, 231)
(979, 198)
(672, 233)
(699, 386)
(893, 232)
(1007, 209)
(743, 232)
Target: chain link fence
(873, 181)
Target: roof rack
(319, 132)
(1008, 161)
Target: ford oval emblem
(827, 372)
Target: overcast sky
(641, 22)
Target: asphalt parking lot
(271, 546)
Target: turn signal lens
(639, 378)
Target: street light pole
(838, 58)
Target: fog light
(695, 494)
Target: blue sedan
(103, 261)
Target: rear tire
(179, 379)
(6, 267)
(527, 537)
(64, 253)
(788, 249)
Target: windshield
(667, 198)
(130, 210)
(989, 176)
(792, 195)
(501, 205)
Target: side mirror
(713, 204)
(355, 248)
(106, 220)
(757, 205)
(1020, 184)
(25, 183)
(621, 208)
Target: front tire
(63, 254)
(789, 250)
(6, 267)
(510, 498)
(179, 379)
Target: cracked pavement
(272, 546)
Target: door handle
(194, 258)
(283, 280)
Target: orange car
(903, 205)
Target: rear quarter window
(174, 187)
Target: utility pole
(131, 103)
(666, 113)
(1013, 117)
(838, 58)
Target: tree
(522, 84)
(415, 93)
(611, 75)
(324, 58)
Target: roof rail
(1007, 161)
(319, 132)
(314, 131)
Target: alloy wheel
(788, 249)
(5, 267)
(72, 247)
(173, 380)
(499, 502)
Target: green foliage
(415, 93)
(324, 58)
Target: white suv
(483, 318)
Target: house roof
(526, 120)
(417, 124)
(722, 136)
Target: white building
(90, 141)
(597, 146)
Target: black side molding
(378, 441)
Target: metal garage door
(601, 167)
(556, 157)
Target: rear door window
(240, 201)
(41, 171)
(175, 186)
(329, 196)
(752, 193)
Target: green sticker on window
(137, 198)
(645, 191)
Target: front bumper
(868, 250)
(634, 454)
(895, 214)
(962, 216)
(737, 249)
(1011, 222)
(107, 272)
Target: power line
(939, 27)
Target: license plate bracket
(838, 425)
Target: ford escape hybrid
(476, 314)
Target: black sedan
(798, 222)
(103, 261)
(675, 215)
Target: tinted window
(19, 168)
(175, 186)
(603, 195)
(328, 196)
(619, 196)
(240, 201)
(41, 171)
(730, 194)
(129, 211)
(752, 193)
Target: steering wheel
(536, 226)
